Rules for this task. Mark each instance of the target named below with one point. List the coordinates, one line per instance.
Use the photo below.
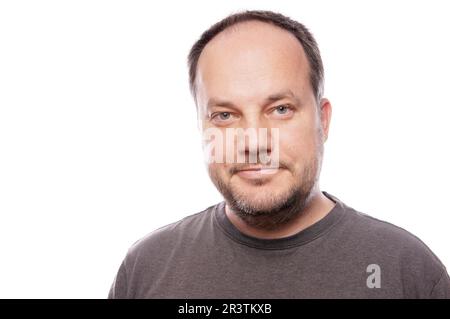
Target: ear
(325, 117)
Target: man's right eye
(221, 116)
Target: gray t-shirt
(346, 254)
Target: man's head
(259, 69)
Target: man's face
(255, 75)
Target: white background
(98, 136)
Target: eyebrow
(269, 99)
(282, 95)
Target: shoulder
(389, 237)
(172, 235)
(149, 255)
(395, 246)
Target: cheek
(297, 144)
(218, 169)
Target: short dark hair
(306, 39)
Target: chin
(263, 195)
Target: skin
(237, 71)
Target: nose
(255, 140)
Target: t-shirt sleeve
(441, 289)
(118, 288)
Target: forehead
(252, 57)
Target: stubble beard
(276, 210)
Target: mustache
(239, 167)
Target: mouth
(258, 171)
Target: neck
(319, 206)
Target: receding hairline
(237, 27)
(297, 29)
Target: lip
(254, 172)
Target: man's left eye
(282, 109)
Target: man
(276, 234)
